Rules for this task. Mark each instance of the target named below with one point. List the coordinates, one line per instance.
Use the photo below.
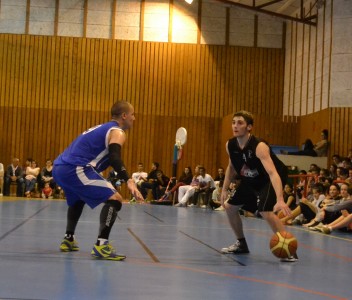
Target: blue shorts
(83, 183)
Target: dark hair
(119, 108)
(308, 145)
(289, 185)
(189, 169)
(156, 164)
(247, 116)
(335, 185)
(319, 187)
(325, 132)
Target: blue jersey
(91, 148)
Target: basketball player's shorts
(252, 200)
(83, 183)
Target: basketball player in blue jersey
(77, 170)
(262, 177)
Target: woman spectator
(346, 212)
(332, 171)
(327, 215)
(321, 147)
(289, 196)
(32, 173)
(185, 179)
(47, 174)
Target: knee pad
(115, 203)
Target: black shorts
(252, 200)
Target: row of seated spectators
(321, 199)
(31, 181)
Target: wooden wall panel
(341, 130)
(53, 88)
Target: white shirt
(137, 176)
(204, 180)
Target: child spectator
(47, 191)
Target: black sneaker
(236, 248)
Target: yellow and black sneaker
(68, 246)
(106, 251)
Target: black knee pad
(115, 203)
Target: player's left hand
(134, 190)
(281, 205)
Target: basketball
(281, 214)
(283, 244)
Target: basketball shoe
(106, 251)
(291, 258)
(68, 246)
(236, 248)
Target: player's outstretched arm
(263, 154)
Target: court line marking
(23, 222)
(144, 246)
(160, 220)
(212, 248)
(250, 279)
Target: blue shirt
(91, 148)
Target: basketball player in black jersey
(262, 177)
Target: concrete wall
(202, 22)
(318, 61)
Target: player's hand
(134, 190)
(281, 205)
(223, 197)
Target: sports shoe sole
(291, 259)
(235, 252)
(115, 258)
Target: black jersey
(249, 167)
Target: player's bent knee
(232, 208)
(116, 196)
(114, 203)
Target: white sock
(102, 241)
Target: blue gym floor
(172, 254)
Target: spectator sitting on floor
(307, 207)
(47, 191)
(325, 215)
(346, 212)
(185, 179)
(289, 196)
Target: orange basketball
(283, 244)
(281, 214)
